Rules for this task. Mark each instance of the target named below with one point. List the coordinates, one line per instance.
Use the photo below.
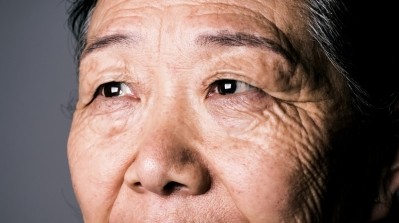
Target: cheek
(259, 185)
(273, 167)
(98, 156)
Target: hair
(80, 12)
(359, 50)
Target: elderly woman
(232, 111)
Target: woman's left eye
(228, 86)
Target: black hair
(79, 17)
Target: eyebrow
(244, 39)
(107, 41)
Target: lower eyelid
(253, 101)
(121, 105)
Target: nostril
(172, 186)
(137, 186)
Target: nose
(167, 164)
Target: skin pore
(203, 111)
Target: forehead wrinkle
(107, 13)
(140, 9)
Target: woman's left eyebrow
(236, 39)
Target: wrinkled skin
(169, 146)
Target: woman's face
(202, 111)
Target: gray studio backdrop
(37, 79)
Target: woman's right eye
(113, 89)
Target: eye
(113, 89)
(228, 86)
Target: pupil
(226, 87)
(112, 89)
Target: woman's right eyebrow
(108, 41)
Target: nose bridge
(165, 122)
(162, 131)
(167, 161)
(159, 137)
(168, 111)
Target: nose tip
(168, 175)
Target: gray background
(37, 80)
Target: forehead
(246, 15)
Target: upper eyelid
(106, 75)
(229, 79)
(228, 75)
